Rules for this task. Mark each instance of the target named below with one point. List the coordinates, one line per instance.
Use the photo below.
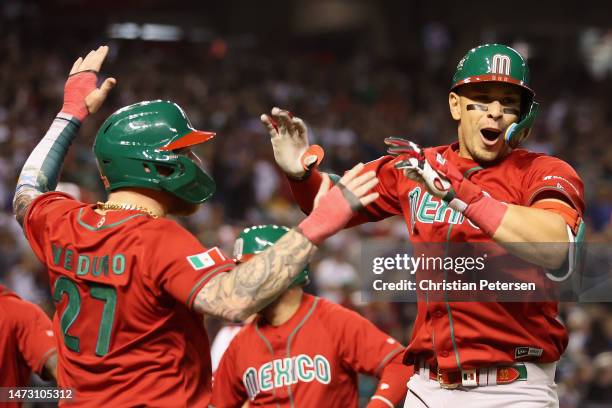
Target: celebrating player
(480, 189)
(129, 283)
(26, 341)
(305, 351)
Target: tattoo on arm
(251, 286)
(23, 198)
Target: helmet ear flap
(188, 182)
(164, 170)
(517, 132)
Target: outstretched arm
(299, 160)
(251, 286)
(41, 171)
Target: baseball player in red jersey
(479, 189)
(26, 342)
(130, 285)
(305, 351)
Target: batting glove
(81, 94)
(444, 180)
(289, 137)
(441, 178)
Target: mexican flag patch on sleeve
(206, 259)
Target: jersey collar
(465, 166)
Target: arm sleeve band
(42, 168)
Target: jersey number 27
(106, 294)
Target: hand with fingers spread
(334, 207)
(416, 167)
(81, 95)
(289, 137)
(441, 178)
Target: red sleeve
(228, 389)
(34, 333)
(46, 209)
(304, 191)
(392, 386)
(550, 177)
(386, 205)
(181, 266)
(366, 349)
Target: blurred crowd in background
(350, 101)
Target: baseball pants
(537, 391)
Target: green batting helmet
(500, 63)
(254, 240)
(137, 147)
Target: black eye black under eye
(511, 111)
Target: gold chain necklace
(112, 206)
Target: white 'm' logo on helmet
(501, 64)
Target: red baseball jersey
(312, 360)
(26, 341)
(124, 284)
(468, 335)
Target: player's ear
(455, 105)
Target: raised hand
(81, 95)
(289, 137)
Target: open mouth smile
(490, 136)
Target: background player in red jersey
(130, 284)
(26, 342)
(479, 189)
(305, 351)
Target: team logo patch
(206, 259)
(523, 352)
(506, 375)
(500, 64)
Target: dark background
(356, 71)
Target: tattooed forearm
(40, 173)
(251, 286)
(23, 198)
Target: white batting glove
(416, 167)
(441, 178)
(289, 137)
